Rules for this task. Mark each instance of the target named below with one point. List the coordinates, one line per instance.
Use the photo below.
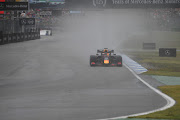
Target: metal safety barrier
(18, 37)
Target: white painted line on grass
(170, 101)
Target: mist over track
(50, 78)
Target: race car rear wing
(108, 51)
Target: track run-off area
(50, 78)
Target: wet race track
(50, 79)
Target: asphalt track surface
(50, 79)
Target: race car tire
(92, 59)
(119, 59)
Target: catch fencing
(11, 31)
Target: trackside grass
(162, 66)
(171, 113)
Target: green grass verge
(162, 73)
(164, 66)
(171, 113)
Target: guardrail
(18, 37)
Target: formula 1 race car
(106, 58)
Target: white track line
(170, 101)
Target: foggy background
(51, 77)
(103, 28)
(116, 29)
